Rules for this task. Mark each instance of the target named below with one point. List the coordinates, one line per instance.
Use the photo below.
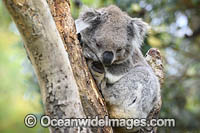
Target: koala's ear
(139, 29)
(86, 19)
(140, 26)
(80, 25)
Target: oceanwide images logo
(30, 121)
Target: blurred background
(175, 31)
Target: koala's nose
(108, 57)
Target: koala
(111, 42)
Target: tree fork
(44, 46)
(67, 87)
(92, 101)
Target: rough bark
(45, 41)
(154, 58)
(50, 60)
(93, 103)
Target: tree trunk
(67, 87)
(92, 101)
(47, 54)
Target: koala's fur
(128, 85)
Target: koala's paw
(98, 72)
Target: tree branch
(92, 101)
(59, 81)
(154, 58)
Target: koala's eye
(119, 50)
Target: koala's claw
(98, 67)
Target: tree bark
(92, 101)
(47, 54)
(154, 58)
(67, 87)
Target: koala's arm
(88, 54)
(134, 95)
(98, 73)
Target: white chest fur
(111, 78)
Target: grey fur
(129, 85)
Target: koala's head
(109, 35)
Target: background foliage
(175, 31)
